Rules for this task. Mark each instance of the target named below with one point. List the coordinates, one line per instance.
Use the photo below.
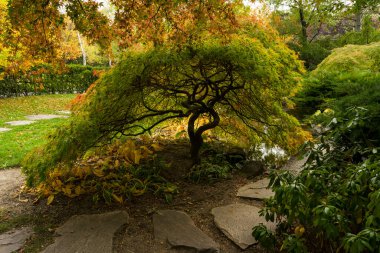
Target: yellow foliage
(50, 199)
(106, 173)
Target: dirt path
(11, 181)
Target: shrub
(44, 78)
(114, 173)
(241, 86)
(335, 201)
(350, 76)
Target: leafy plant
(266, 238)
(211, 169)
(121, 172)
(154, 86)
(45, 78)
(334, 202)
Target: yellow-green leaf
(50, 199)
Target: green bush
(44, 78)
(312, 53)
(335, 201)
(350, 76)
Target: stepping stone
(88, 233)
(10, 181)
(236, 222)
(179, 230)
(20, 122)
(14, 240)
(4, 129)
(45, 116)
(64, 112)
(256, 190)
(294, 165)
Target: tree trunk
(195, 141)
(195, 136)
(84, 56)
(195, 147)
(303, 26)
(358, 21)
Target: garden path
(30, 119)
(173, 230)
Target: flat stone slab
(14, 240)
(45, 116)
(20, 122)
(256, 190)
(64, 112)
(88, 233)
(179, 230)
(4, 129)
(236, 222)
(294, 165)
(10, 182)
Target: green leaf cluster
(335, 199)
(151, 86)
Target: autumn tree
(210, 84)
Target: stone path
(237, 220)
(256, 190)
(45, 116)
(179, 230)
(10, 182)
(171, 228)
(32, 119)
(20, 122)
(4, 129)
(88, 233)
(64, 112)
(14, 240)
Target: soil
(137, 237)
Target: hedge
(43, 78)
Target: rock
(256, 190)
(295, 164)
(179, 230)
(235, 155)
(252, 168)
(88, 233)
(14, 240)
(45, 116)
(64, 112)
(4, 129)
(236, 222)
(20, 122)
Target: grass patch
(19, 107)
(15, 144)
(20, 140)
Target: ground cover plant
(114, 173)
(15, 144)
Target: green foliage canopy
(349, 76)
(351, 58)
(245, 79)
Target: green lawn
(17, 142)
